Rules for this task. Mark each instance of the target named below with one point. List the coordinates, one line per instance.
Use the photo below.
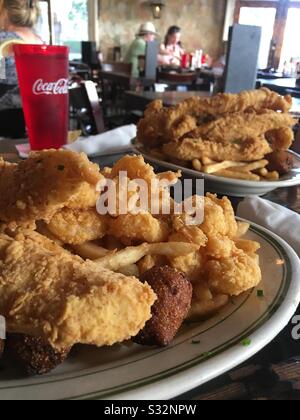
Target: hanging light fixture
(157, 7)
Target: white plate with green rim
(201, 351)
(228, 186)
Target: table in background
(280, 85)
(272, 374)
(139, 101)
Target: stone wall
(202, 23)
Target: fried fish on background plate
(239, 126)
(162, 125)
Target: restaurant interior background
(204, 23)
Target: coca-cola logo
(50, 88)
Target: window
(264, 17)
(69, 23)
(291, 45)
(279, 20)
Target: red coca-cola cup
(43, 78)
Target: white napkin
(118, 140)
(278, 219)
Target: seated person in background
(171, 50)
(147, 33)
(17, 19)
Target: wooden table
(139, 101)
(274, 373)
(118, 77)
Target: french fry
(216, 167)
(90, 251)
(106, 171)
(150, 261)
(250, 247)
(263, 172)
(197, 165)
(247, 176)
(272, 176)
(132, 255)
(243, 228)
(254, 166)
(207, 161)
(130, 271)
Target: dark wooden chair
(12, 124)
(85, 109)
(115, 80)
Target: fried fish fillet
(238, 126)
(281, 139)
(38, 187)
(162, 125)
(247, 150)
(62, 299)
(75, 227)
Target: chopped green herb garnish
(260, 293)
(61, 167)
(196, 342)
(247, 342)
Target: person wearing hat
(147, 33)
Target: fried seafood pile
(226, 135)
(69, 275)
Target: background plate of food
(238, 143)
(128, 306)
(223, 184)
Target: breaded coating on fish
(38, 187)
(162, 125)
(65, 300)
